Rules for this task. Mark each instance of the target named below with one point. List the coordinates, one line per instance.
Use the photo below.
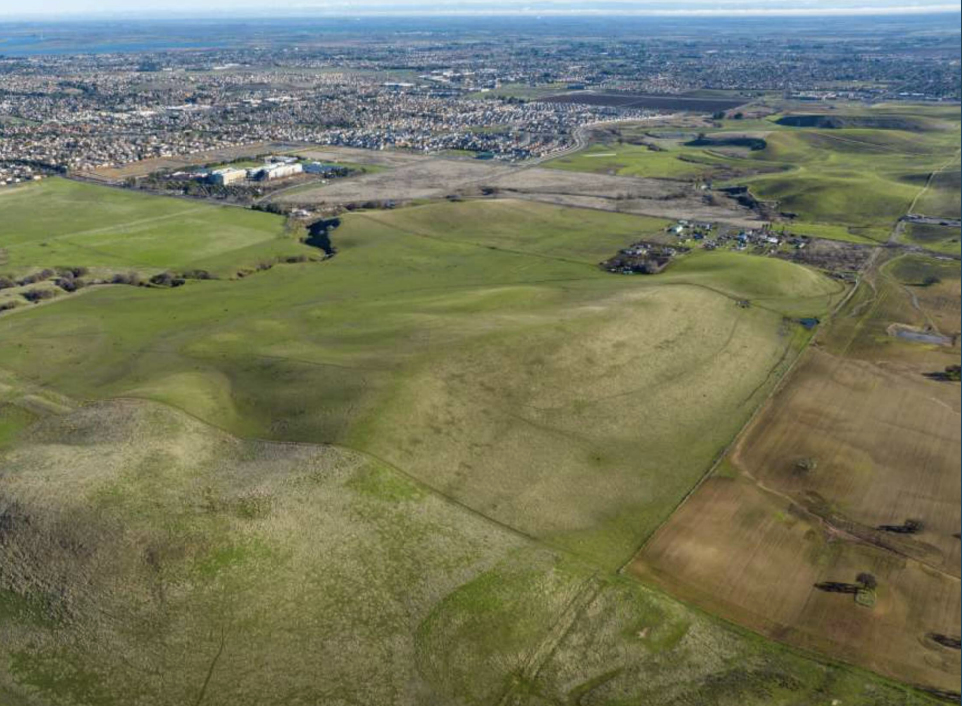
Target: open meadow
(487, 425)
(848, 173)
(150, 558)
(61, 223)
(456, 339)
(408, 473)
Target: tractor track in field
(541, 655)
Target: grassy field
(880, 445)
(861, 179)
(456, 339)
(404, 475)
(942, 239)
(150, 558)
(68, 223)
(850, 182)
(631, 160)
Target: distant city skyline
(100, 9)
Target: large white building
(227, 176)
(279, 171)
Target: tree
(868, 581)
(913, 526)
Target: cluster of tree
(907, 527)
(64, 277)
(952, 373)
(721, 115)
(37, 295)
(68, 278)
(167, 279)
(369, 205)
(953, 642)
(863, 582)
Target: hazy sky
(55, 8)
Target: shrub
(197, 274)
(38, 295)
(131, 278)
(35, 277)
(6, 282)
(167, 279)
(913, 526)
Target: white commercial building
(227, 176)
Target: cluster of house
(12, 173)
(712, 238)
(642, 258)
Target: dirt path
(542, 654)
(928, 183)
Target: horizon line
(535, 13)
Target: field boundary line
(762, 405)
(360, 452)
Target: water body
(25, 39)
(276, 28)
(919, 337)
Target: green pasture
(461, 341)
(863, 180)
(941, 239)
(165, 562)
(487, 426)
(626, 159)
(850, 183)
(61, 223)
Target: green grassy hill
(460, 340)
(848, 174)
(150, 558)
(486, 425)
(70, 224)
